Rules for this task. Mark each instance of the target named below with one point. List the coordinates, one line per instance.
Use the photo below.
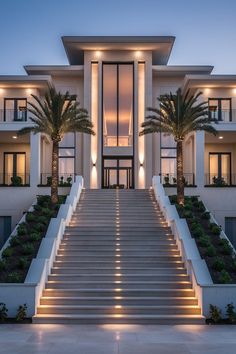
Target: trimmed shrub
(230, 311)
(7, 252)
(194, 198)
(38, 227)
(30, 217)
(201, 206)
(218, 264)
(22, 229)
(211, 251)
(215, 314)
(47, 212)
(21, 313)
(226, 248)
(42, 220)
(37, 207)
(2, 265)
(22, 263)
(224, 277)
(188, 206)
(206, 215)
(3, 312)
(216, 230)
(14, 241)
(34, 236)
(198, 232)
(27, 249)
(204, 241)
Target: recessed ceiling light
(220, 137)
(14, 137)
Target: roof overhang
(209, 81)
(55, 70)
(181, 70)
(24, 81)
(160, 46)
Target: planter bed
(17, 257)
(216, 251)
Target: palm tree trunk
(54, 186)
(180, 174)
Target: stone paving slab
(117, 339)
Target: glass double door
(220, 168)
(14, 167)
(118, 173)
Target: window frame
(219, 118)
(15, 109)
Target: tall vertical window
(168, 157)
(220, 168)
(14, 167)
(117, 104)
(67, 156)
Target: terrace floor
(117, 339)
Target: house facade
(116, 79)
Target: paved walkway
(117, 339)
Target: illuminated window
(117, 104)
(220, 109)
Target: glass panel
(225, 110)
(225, 168)
(8, 168)
(125, 163)
(123, 178)
(68, 140)
(66, 166)
(112, 177)
(168, 166)
(214, 109)
(110, 163)
(214, 166)
(168, 152)
(125, 105)
(167, 141)
(66, 152)
(20, 167)
(110, 105)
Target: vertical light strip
(94, 118)
(141, 117)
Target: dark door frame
(14, 163)
(130, 181)
(219, 154)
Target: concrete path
(117, 339)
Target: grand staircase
(118, 263)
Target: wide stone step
(115, 275)
(130, 263)
(121, 258)
(120, 310)
(61, 269)
(88, 246)
(122, 252)
(111, 244)
(123, 284)
(119, 319)
(119, 292)
(111, 301)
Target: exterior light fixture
(14, 137)
(94, 164)
(141, 164)
(221, 137)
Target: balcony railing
(15, 180)
(224, 180)
(13, 115)
(170, 179)
(223, 115)
(64, 179)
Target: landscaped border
(207, 292)
(29, 292)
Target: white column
(199, 151)
(35, 157)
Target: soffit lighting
(14, 137)
(221, 137)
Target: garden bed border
(206, 292)
(29, 292)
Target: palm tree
(56, 114)
(179, 114)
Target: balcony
(64, 179)
(223, 115)
(12, 115)
(225, 180)
(14, 180)
(170, 179)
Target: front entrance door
(118, 173)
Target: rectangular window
(117, 104)
(230, 229)
(219, 168)
(15, 168)
(15, 109)
(220, 109)
(168, 158)
(67, 157)
(5, 229)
